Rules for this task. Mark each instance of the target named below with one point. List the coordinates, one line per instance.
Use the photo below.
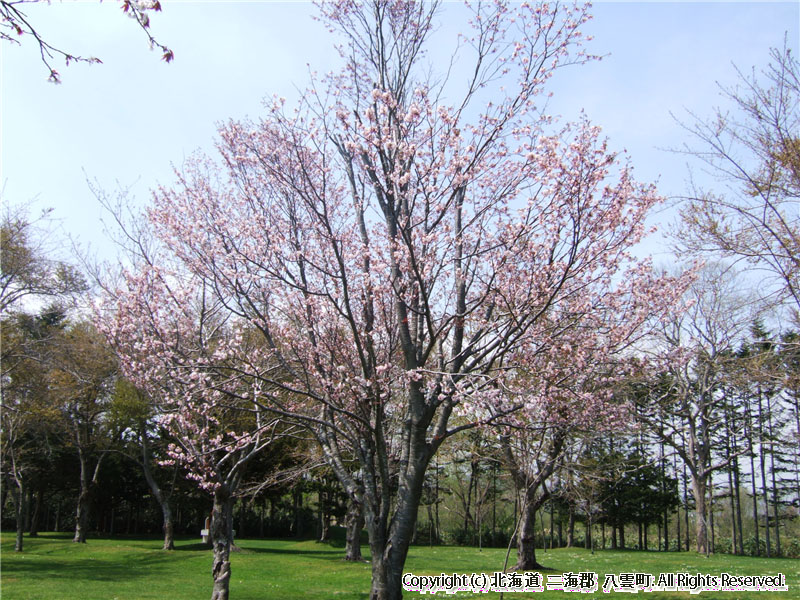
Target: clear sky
(125, 122)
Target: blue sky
(125, 122)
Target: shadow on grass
(196, 547)
(322, 552)
(90, 568)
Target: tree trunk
(526, 540)
(571, 528)
(587, 542)
(297, 504)
(734, 530)
(685, 507)
(389, 545)
(774, 483)
(221, 540)
(158, 494)
(35, 514)
(762, 463)
(355, 523)
(168, 527)
(4, 485)
(81, 516)
(701, 522)
(19, 501)
(391, 518)
(737, 494)
(82, 510)
(84, 496)
(324, 518)
(713, 544)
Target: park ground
(135, 568)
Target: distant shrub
(723, 545)
(753, 549)
(792, 549)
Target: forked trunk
(389, 538)
(221, 540)
(387, 571)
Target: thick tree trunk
(221, 541)
(81, 516)
(389, 552)
(169, 533)
(391, 524)
(355, 523)
(526, 540)
(701, 516)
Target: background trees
(686, 406)
(27, 268)
(29, 417)
(753, 150)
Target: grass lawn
(122, 568)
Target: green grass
(52, 567)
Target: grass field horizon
(135, 568)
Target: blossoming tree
(405, 249)
(169, 335)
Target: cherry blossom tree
(396, 251)
(569, 390)
(175, 351)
